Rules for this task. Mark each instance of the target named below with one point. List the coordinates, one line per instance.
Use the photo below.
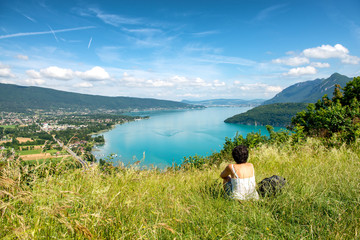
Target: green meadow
(46, 161)
(321, 199)
(8, 126)
(29, 152)
(37, 151)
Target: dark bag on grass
(271, 186)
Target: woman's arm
(225, 174)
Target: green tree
(340, 116)
(1, 132)
(99, 139)
(337, 94)
(351, 91)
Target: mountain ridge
(309, 91)
(23, 98)
(279, 110)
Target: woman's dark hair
(240, 154)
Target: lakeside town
(52, 137)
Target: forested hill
(277, 114)
(310, 91)
(20, 99)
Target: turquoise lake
(169, 136)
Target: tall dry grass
(321, 200)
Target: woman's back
(239, 178)
(243, 181)
(243, 170)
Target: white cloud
(200, 82)
(53, 72)
(301, 71)
(217, 83)
(129, 78)
(83, 85)
(33, 81)
(270, 11)
(320, 65)
(293, 61)
(22, 57)
(179, 79)
(112, 19)
(198, 48)
(5, 71)
(35, 78)
(89, 44)
(350, 60)
(95, 74)
(144, 31)
(45, 32)
(30, 18)
(159, 83)
(33, 74)
(169, 82)
(273, 89)
(132, 81)
(227, 60)
(189, 95)
(6, 81)
(337, 51)
(205, 33)
(328, 51)
(57, 73)
(257, 88)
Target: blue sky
(177, 49)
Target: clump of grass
(320, 200)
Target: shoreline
(107, 130)
(113, 126)
(104, 130)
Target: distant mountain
(21, 99)
(277, 114)
(279, 110)
(226, 102)
(309, 91)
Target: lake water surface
(169, 136)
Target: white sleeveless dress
(243, 188)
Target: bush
(194, 162)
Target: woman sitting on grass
(239, 178)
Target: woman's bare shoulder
(250, 165)
(227, 166)
(243, 165)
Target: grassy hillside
(278, 114)
(321, 200)
(20, 99)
